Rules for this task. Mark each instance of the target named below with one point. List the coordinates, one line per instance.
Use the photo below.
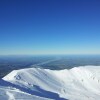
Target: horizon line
(43, 54)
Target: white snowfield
(79, 83)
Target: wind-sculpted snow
(79, 83)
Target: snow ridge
(78, 83)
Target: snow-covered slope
(79, 83)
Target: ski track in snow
(78, 83)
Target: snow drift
(79, 83)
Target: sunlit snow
(78, 83)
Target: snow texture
(78, 83)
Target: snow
(78, 83)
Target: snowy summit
(79, 83)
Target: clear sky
(49, 27)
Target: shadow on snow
(40, 92)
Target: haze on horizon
(49, 27)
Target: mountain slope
(79, 83)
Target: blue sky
(49, 27)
